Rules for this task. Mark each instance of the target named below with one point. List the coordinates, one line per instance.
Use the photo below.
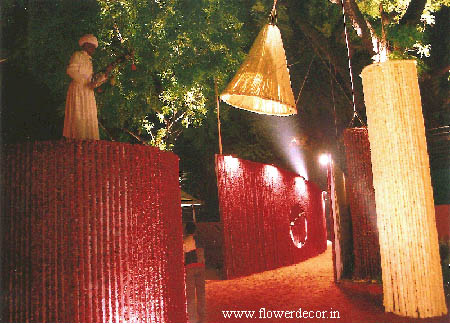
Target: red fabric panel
(92, 233)
(361, 196)
(443, 222)
(257, 204)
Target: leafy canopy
(180, 48)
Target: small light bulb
(324, 159)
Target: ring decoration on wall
(298, 230)
(257, 204)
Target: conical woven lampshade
(262, 84)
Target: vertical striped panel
(410, 261)
(92, 233)
(257, 204)
(361, 196)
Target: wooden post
(218, 116)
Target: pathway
(308, 285)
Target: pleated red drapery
(271, 217)
(92, 233)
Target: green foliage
(403, 36)
(180, 48)
(405, 39)
(397, 8)
(36, 56)
(36, 47)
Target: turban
(88, 38)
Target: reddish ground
(308, 285)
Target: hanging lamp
(409, 247)
(262, 83)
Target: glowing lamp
(271, 173)
(323, 198)
(231, 162)
(410, 262)
(300, 185)
(324, 159)
(262, 83)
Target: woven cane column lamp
(412, 275)
(262, 83)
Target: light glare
(231, 163)
(324, 159)
(300, 185)
(271, 172)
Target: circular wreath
(298, 229)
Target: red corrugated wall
(92, 233)
(258, 203)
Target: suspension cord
(332, 96)
(273, 14)
(274, 5)
(304, 81)
(355, 113)
(218, 115)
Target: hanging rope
(332, 96)
(335, 80)
(304, 81)
(355, 113)
(274, 4)
(273, 13)
(218, 116)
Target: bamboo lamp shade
(262, 83)
(410, 261)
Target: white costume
(80, 119)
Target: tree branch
(413, 13)
(176, 116)
(359, 23)
(320, 45)
(134, 135)
(106, 131)
(336, 81)
(436, 72)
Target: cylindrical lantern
(361, 197)
(262, 83)
(411, 270)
